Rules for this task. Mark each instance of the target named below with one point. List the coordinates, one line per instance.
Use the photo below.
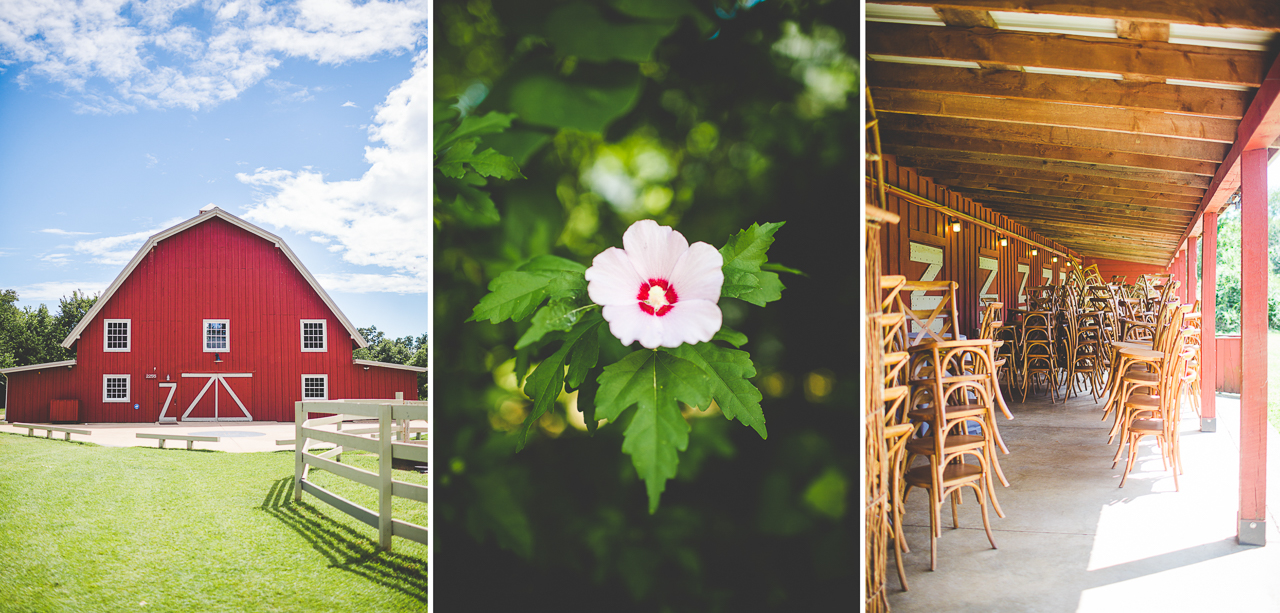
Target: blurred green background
(706, 116)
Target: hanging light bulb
(1004, 242)
(1055, 258)
(955, 226)
(1035, 252)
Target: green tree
(577, 119)
(405, 350)
(34, 335)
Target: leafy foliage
(34, 335)
(708, 133)
(407, 350)
(1227, 308)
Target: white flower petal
(697, 274)
(630, 324)
(690, 321)
(612, 279)
(653, 249)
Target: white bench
(189, 438)
(31, 428)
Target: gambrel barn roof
(206, 215)
(1111, 126)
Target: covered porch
(1010, 148)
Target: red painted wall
(960, 251)
(213, 270)
(1131, 270)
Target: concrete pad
(234, 436)
(1074, 541)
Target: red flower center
(656, 297)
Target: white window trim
(128, 335)
(324, 335)
(304, 386)
(128, 388)
(204, 335)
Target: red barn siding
(213, 270)
(1131, 270)
(960, 251)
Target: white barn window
(115, 388)
(217, 335)
(315, 387)
(314, 335)
(116, 334)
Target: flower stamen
(657, 297)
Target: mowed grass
(89, 528)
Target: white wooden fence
(380, 441)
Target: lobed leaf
(728, 371)
(559, 314)
(654, 381)
(744, 254)
(547, 380)
(515, 294)
(472, 126)
(733, 337)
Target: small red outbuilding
(213, 319)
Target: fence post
(299, 416)
(384, 477)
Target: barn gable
(205, 216)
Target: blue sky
(308, 118)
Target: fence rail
(387, 412)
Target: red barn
(213, 319)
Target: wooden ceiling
(1112, 146)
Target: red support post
(1253, 347)
(1208, 324)
(1189, 291)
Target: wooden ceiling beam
(1116, 240)
(1045, 188)
(963, 18)
(1105, 232)
(1220, 13)
(1133, 95)
(1148, 59)
(1117, 159)
(1066, 180)
(1066, 137)
(1134, 219)
(1043, 113)
(1156, 211)
(1139, 30)
(993, 159)
(1024, 212)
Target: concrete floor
(1074, 541)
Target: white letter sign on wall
(1046, 273)
(992, 266)
(926, 254)
(1024, 271)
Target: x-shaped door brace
(221, 378)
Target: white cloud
(323, 240)
(55, 258)
(118, 250)
(382, 218)
(151, 160)
(53, 290)
(363, 283)
(350, 104)
(115, 64)
(65, 232)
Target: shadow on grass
(345, 547)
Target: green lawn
(89, 528)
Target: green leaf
(547, 380)
(744, 254)
(654, 381)
(515, 294)
(747, 249)
(487, 163)
(728, 371)
(547, 99)
(578, 29)
(559, 314)
(733, 337)
(780, 268)
(451, 163)
(582, 359)
(766, 288)
(474, 208)
(472, 126)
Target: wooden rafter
(1154, 60)
(1217, 13)
(1065, 180)
(1032, 163)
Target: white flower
(660, 290)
